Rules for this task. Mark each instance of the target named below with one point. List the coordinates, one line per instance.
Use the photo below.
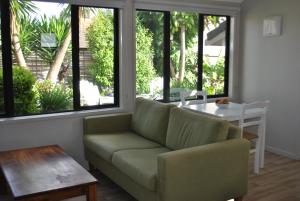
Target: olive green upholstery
(139, 164)
(106, 145)
(188, 129)
(150, 119)
(162, 153)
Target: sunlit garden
(184, 47)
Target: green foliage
(154, 22)
(29, 39)
(213, 77)
(23, 91)
(22, 9)
(53, 97)
(144, 59)
(23, 81)
(101, 44)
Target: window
(215, 52)
(98, 48)
(195, 56)
(63, 57)
(183, 53)
(150, 54)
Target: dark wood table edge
(87, 189)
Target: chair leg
(263, 142)
(239, 199)
(257, 156)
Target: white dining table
(232, 113)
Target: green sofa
(164, 153)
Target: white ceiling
(230, 1)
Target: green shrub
(24, 96)
(101, 44)
(53, 97)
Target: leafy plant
(145, 71)
(23, 81)
(58, 26)
(213, 77)
(101, 42)
(29, 39)
(53, 97)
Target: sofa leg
(92, 167)
(239, 199)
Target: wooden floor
(278, 181)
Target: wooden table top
(41, 169)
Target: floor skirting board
(282, 152)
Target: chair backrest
(186, 94)
(253, 114)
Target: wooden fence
(40, 68)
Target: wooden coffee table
(44, 174)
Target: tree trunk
(182, 54)
(59, 58)
(60, 55)
(172, 70)
(18, 53)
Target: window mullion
(7, 59)
(166, 72)
(75, 55)
(227, 56)
(116, 58)
(200, 52)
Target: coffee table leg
(92, 193)
(3, 184)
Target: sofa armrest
(234, 132)
(107, 123)
(211, 172)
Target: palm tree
(20, 9)
(63, 48)
(183, 30)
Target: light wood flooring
(278, 181)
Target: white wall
(271, 70)
(64, 132)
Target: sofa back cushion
(188, 129)
(150, 119)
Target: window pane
(1, 74)
(214, 54)
(96, 34)
(149, 54)
(42, 65)
(184, 53)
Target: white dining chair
(184, 95)
(257, 118)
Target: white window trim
(187, 7)
(97, 3)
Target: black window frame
(8, 64)
(167, 43)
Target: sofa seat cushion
(150, 119)
(105, 145)
(188, 129)
(140, 165)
